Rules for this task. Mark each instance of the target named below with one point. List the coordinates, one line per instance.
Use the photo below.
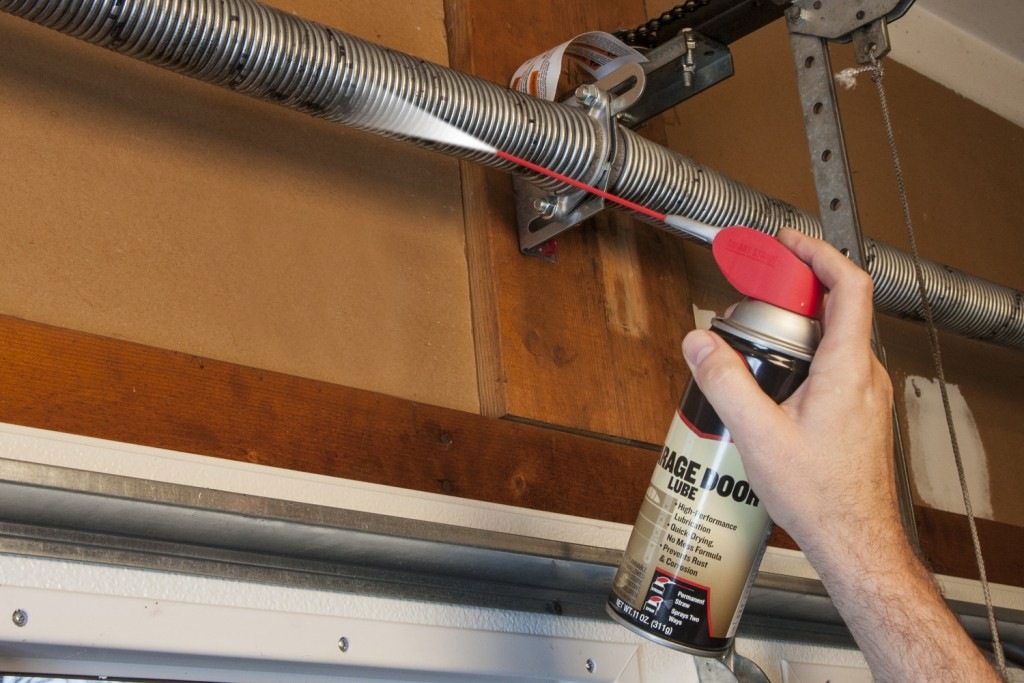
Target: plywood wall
(145, 206)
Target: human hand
(821, 462)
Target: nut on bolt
(588, 94)
(546, 206)
(688, 59)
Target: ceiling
(1000, 23)
(974, 48)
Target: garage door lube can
(702, 530)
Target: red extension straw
(583, 186)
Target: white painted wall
(932, 465)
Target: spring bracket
(542, 214)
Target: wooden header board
(591, 343)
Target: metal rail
(86, 516)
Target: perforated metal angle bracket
(811, 27)
(542, 214)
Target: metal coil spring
(964, 304)
(654, 176)
(275, 56)
(271, 55)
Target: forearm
(895, 612)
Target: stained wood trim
(79, 383)
(479, 221)
(491, 377)
(67, 381)
(946, 546)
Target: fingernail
(696, 346)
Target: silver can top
(775, 328)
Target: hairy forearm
(895, 611)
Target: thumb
(726, 381)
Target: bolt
(795, 15)
(20, 617)
(691, 46)
(343, 644)
(591, 666)
(588, 94)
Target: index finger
(851, 293)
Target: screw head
(343, 644)
(591, 666)
(20, 617)
(795, 15)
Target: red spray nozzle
(759, 266)
(756, 264)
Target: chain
(847, 78)
(662, 28)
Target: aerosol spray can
(701, 531)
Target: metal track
(93, 517)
